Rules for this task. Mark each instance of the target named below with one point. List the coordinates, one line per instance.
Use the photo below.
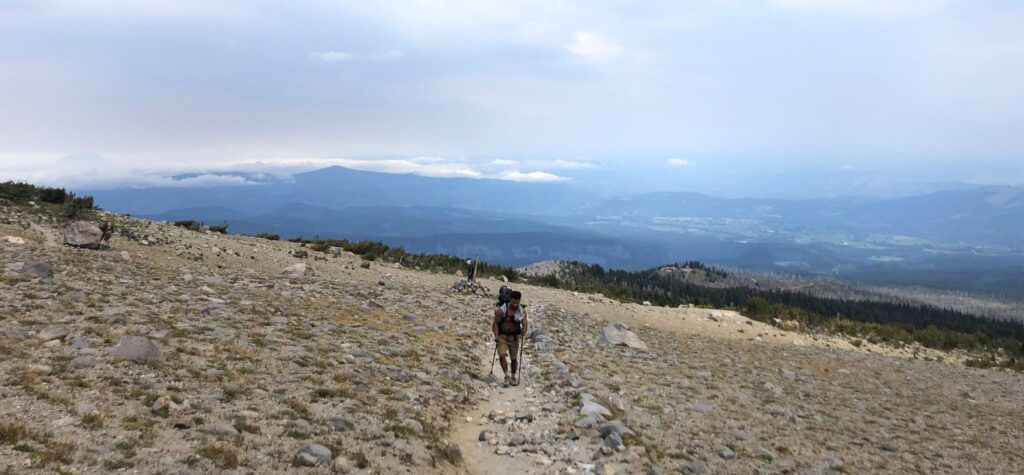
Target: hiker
(504, 295)
(469, 269)
(509, 325)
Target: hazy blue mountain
(916, 239)
(364, 222)
(338, 187)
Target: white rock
(617, 333)
(298, 270)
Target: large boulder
(298, 270)
(136, 348)
(617, 333)
(83, 234)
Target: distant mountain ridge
(338, 187)
(519, 223)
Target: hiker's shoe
(515, 380)
(507, 381)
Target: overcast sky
(100, 91)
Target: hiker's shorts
(509, 345)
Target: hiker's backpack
(504, 295)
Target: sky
(667, 93)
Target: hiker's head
(513, 300)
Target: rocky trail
(518, 429)
(174, 351)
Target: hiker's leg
(513, 348)
(502, 351)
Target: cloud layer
(198, 85)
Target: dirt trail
(48, 235)
(480, 457)
(523, 420)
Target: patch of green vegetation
(378, 251)
(13, 433)
(220, 456)
(299, 408)
(191, 225)
(92, 420)
(70, 206)
(56, 452)
(360, 459)
(118, 464)
(126, 448)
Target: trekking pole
(522, 363)
(492, 360)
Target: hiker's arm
(526, 323)
(494, 323)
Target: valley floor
(384, 370)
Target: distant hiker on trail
(469, 269)
(509, 325)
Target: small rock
(84, 409)
(454, 453)
(298, 270)
(311, 455)
(304, 460)
(614, 441)
(517, 440)
(53, 332)
(524, 416)
(220, 430)
(617, 333)
(703, 408)
(40, 368)
(136, 348)
(487, 435)
(615, 427)
(586, 422)
(341, 464)
(787, 374)
(340, 424)
(39, 269)
(410, 317)
(727, 453)
(695, 467)
(413, 425)
(593, 408)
